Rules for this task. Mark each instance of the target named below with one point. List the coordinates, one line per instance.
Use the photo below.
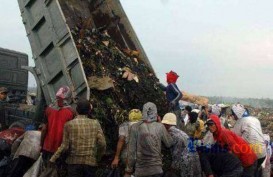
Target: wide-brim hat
(169, 119)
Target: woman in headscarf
(235, 144)
(56, 115)
(135, 115)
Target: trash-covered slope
(118, 79)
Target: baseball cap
(3, 90)
(209, 122)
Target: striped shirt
(83, 137)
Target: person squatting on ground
(144, 148)
(84, 142)
(249, 128)
(218, 162)
(235, 144)
(173, 95)
(135, 115)
(184, 162)
(56, 115)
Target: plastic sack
(114, 173)
(36, 169)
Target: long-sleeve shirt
(84, 139)
(185, 162)
(249, 128)
(173, 94)
(144, 149)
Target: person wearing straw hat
(184, 162)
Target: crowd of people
(201, 141)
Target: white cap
(196, 110)
(169, 119)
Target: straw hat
(169, 119)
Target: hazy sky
(218, 47)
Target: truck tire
(19, 124)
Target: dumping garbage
(119, 81)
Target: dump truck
(12, 76)
(90, 46)
(57, 61)
(15, 78)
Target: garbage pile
(119, 80)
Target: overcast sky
(218, 47)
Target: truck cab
(14, 111)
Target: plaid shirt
(83, 138)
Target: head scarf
(149, 112)
(215, 119)
(135, 115)
(172, 77)
(63, 96)
(239, 110)
(215, 109)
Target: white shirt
(30, 145)
(249, 128)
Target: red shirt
(55, 125)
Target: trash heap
(119, 80)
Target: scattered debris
(103, 83)
(119, 79)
